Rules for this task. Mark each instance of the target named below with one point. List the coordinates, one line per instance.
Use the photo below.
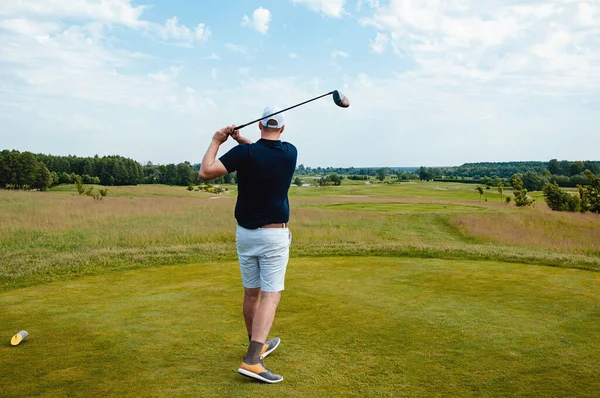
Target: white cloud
(588, 13)
(213, 57)
(237, 48)
(213, 73)
(119, 12)
(261, 17)
(330, 8)
(294, 56)
(338, 53)
(29, 27)
(547, 46)
(380, 44)
(369, 3)
(172, 30)
(39, 17)
(63, 49)
(334, 56)
(166, 75)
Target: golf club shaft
(286, 109)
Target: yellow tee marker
(18, 338)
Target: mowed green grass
(360, 326)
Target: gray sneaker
(259, 372)
(270, 346)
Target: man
(263, 239)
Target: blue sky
(431, 82)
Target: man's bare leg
(251, 302)
(252, 365)
(265, 315)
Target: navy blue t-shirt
(264, 171)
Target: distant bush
(586, 199)
(79, 185)
(332, 179)
(211, 188)
(559, 200)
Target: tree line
(17, 170)
(26, 170)
(535, 175)
(350, 171)
(182, 174)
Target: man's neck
(270, 136)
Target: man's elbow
(204, 175)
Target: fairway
(349, 327)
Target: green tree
(534, 181)
(381, 175)
(335, 179)
(27, 170)
(79, 185)
(185, 174)
(520, 193)
(55, 178)
(554, 167)
(565, 167)
(298, 181)
(64, 178)
(43, 178)
(576, 168)
(425, 174)
(22, 171)
(593, 192)
(559, 200)
(170, 177)
(500, 190)
(479, 189)
(332, 179)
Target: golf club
(339, 99)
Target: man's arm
(211, 167)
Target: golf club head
(340, 99)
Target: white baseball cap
(278, 118)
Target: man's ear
(282, 128)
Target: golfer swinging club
(262, 211)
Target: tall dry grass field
(542, 228)
(48, 236)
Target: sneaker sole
(270, 351)
(247, 373)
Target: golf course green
(349, 327)
(140, 295)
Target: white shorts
(263, 254)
